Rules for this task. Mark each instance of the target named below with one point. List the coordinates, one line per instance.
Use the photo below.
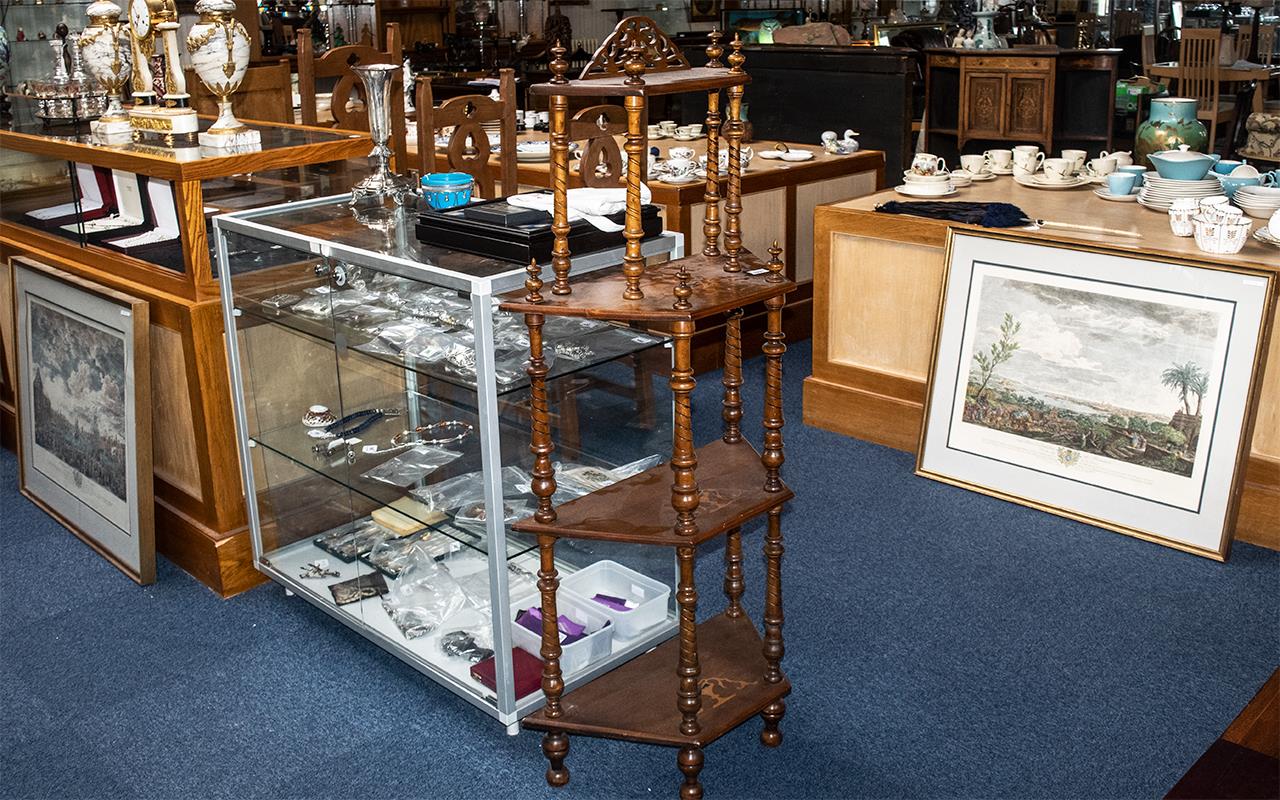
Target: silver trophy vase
(383, 183)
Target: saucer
(1262, 234)
(1116, 198)
(907, 190)
(680, 137)
(1039, 182)
(680, 181)
(998, 171)
(980, 177)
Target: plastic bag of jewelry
(423, 596)
(281, 301)
(468, 488)
(412, 465)
(511, 367)
(560, 327)
(364, 315)
(467, 635)
(326, 304)
(354, 542)
(474, 513)
(591, 478)
(391, 556)
(393, 290)
(391, 339)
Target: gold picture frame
(978, 422)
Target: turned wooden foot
(690, 761)
(555, 746)
(772, 715)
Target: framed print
(1110, 387)
(84, 411)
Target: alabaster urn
(105, 48)
(219, 48)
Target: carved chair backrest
(660, 53)
(337, 63)
(1267, 44)
(1198, 66)
(265, 94)
(602, 164)
(468, 149)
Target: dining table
(1240, 72)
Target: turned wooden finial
(557, 64)
(533, 283)
(714, 50)
(736, 58)
(683, 291)
(775, 264)
(634, 67)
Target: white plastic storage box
(613, 579)
(597, 644)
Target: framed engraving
(1110, 387)
(84, 411)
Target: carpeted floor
(942, 644)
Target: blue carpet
(942, 644)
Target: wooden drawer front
(1029, 107)
(989, 63)
(944, 61)
(984, 106)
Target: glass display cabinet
(383, 408)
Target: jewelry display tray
(457, 230)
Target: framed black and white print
(1111, 387)
(84, 411)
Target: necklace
(402, 440)
(338, 430)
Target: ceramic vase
(1172, 123)
(219, 48)
(104, 47)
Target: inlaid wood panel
(984, 111)
(1027, 107)
(173, 458)
(883, 299)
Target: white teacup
(654, 131)
(1027, 148)
(1217, 208)
(681, 154)
(1077, 157)
(1060, 170)
(694, 129)
(1026, 163)
(668, 126)
(1102, 166)
(681, 167)
(1000, 159)
(927, 164)
(1123, 157)
(976, 164)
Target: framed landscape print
(1106, 386)
(84, 411)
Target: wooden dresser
(1027, 95)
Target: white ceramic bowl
(1220, 238)
(1180, 220)
(911, 177)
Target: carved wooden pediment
(660, 53)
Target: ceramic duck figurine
(849, 144)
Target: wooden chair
(336, 63)
(602, 164)
(265, 95)
(1244, 102)
(1148, 47)
(1198, 77)
(468, 149)
(1266, 44)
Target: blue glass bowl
(445, 190)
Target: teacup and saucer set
(974, 168)
(681, 167)
(928, 177)
(1120, 187)
(1058, 173)
(1000, 161)
(687, 133)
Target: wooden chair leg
(770, 736)
(555, 746)
(690, 761)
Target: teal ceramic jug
(1172, 123)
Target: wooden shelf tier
(636, 701)
(695, 79)
(599, 295)
(638, 510)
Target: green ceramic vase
(1172, 123)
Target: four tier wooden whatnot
(720, 673)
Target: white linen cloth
(593, 205)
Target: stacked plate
(1159, 193)
(916, 185)
(1259, 202)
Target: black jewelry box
(497, 229)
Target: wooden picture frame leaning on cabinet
(1109, 387)
(83, 394)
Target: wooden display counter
(877, 282)
(199, 502)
